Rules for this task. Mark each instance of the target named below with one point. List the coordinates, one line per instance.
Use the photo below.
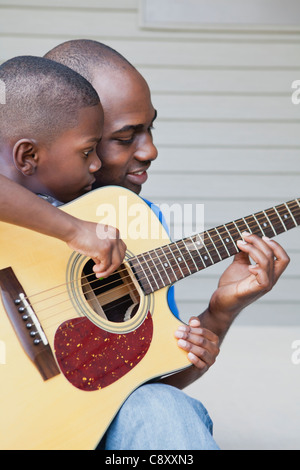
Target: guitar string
(49, 318)
(207, 245)
(92, 290)
(108, 308)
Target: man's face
(67, 167)
(126, 149)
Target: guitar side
(53, 413)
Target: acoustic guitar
(73, 347)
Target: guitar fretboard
(163, 266)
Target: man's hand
(100, 242)
(201, 344)
(242, 283)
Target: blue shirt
(171, 291)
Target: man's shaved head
(42, 98)
(126, 148)
(86, 56)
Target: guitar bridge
(26, 325)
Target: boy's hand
(100, 242)
(201, 344)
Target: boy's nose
(95, 165)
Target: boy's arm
(19, 206)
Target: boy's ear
(25, 156)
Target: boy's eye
(87, 152)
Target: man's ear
(25, 156)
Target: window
(266, 15)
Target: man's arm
(19, 206)
(241, 284)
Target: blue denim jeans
(160, 417)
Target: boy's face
(66, 167)
(126, 149)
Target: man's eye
(126, 141)
(87, 152)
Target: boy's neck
(8, 170)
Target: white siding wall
(228, 134)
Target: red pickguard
(91, 358)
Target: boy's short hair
(42, 98)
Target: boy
(50, 126)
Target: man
(126, 152)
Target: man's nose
(146, 150)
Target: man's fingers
(202, 345)
(281, 257)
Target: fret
(241, 227)
(156, 261)
(247, 228)
(146, 271)
(142, 279)
(180, 260)
(285, 217)
(163, 272)
(224, 244)
(276, 220)
(181, 276)
(174, 267)
(286, 205)
(202, 250)
(259, 225)
(191, 246)
(190, 255)
(215, 249)
(279, 217)
(254, 226)
(295, 208)
(210, 249)
(229, 242)
(154, 270)
(219, 244)
(204, 260)
(187, 257)
(233, 229)
(168, 267)
(267, 224)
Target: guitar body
(65, 394)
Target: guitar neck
(165, 265)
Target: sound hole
(114, 298)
